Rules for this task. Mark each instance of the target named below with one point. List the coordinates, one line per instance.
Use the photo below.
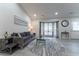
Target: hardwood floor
(72, 46)
(72, 49)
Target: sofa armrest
(2, 43)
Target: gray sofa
(24, 38)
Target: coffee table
(40, 46)
(40, 41)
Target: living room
(39, 29)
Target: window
(75, 25)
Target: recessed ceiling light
(35, 15)
(56, 13)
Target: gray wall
(73, 34)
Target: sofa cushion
(22, 34)
(27, 33)
(14, 34)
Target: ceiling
(47, 10)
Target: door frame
(57, 30)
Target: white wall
(73, 35)
(7, 12)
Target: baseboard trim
(74, 39)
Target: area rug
(52, 47)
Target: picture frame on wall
(19, 21)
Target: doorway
(48, 29)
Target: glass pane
(45, 26)
(46, 33)
(42, 28)
(75, 26)
(50, 27)
(50, 33)
(54, 29)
